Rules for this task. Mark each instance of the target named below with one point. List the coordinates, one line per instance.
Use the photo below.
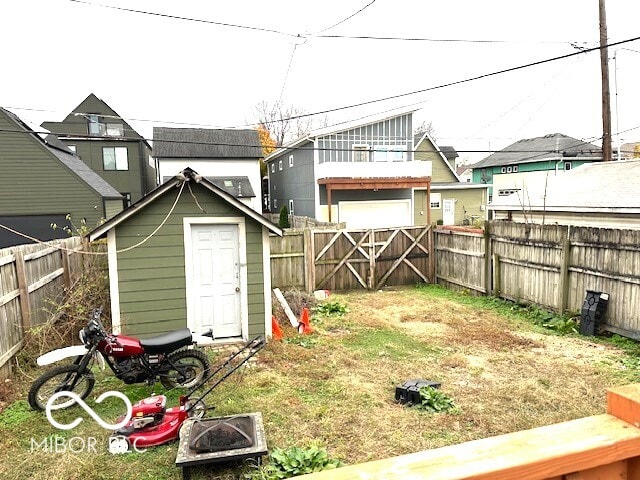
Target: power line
(415, 92)
(284, 149)
(448, 40)
(188, 19)
(349, 17)
(466, 80)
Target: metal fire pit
(221, 439)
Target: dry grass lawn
(336, 386)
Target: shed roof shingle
(205, 143)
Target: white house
(602, 194)
(230, 159)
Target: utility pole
(607, 154)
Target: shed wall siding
(151, 277)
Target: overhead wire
(347, 18)
(189, 19)
(415, 92)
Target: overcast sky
(157, 70)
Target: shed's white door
(448, 211)
(216, 280)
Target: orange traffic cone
(305, 324)
(275, 328)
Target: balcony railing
(373, 169)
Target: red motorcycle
(132, 360)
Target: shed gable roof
(535, 149)
(206, 143)
(187, 175)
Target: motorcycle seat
(167, 342)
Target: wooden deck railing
(601, 447)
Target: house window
(115, 158)
(275, 204)
(389, 153)
(515, 169)
(567, 165)
(94, 125)
(290, 207)
(509, 169)
(127, 199)
(273, 168)
(72, 148)
(115, 130)
(503, 170)
(291, 160)
(361, 153)
(435, 200)
(280, 165)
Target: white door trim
(189, 270)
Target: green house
(109, 146)
(44, 183)
(189, 254)
(452, 201)
(532, 160)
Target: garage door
(375, 214)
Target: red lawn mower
(153, 424)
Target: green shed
(189, 254)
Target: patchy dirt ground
(336, 386)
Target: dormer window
(97, 127)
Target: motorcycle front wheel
(184, 368)
(64, 378)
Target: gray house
(228, 158)
(189, 254)
(43, 183)
(109, 146)
(361, 173)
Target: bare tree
(283, 123)
(426, 127)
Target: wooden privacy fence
(352, 259)
(31, 276)
(547, 265)
(600, 447)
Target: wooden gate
(371, 259)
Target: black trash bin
(593, 308)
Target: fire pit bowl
(221, 439)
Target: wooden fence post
(309, 260)
(563, 283)
(432, 255)
(487, 258)
(23, 287)
(66, 274)
(371, 281)
(496, 275)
